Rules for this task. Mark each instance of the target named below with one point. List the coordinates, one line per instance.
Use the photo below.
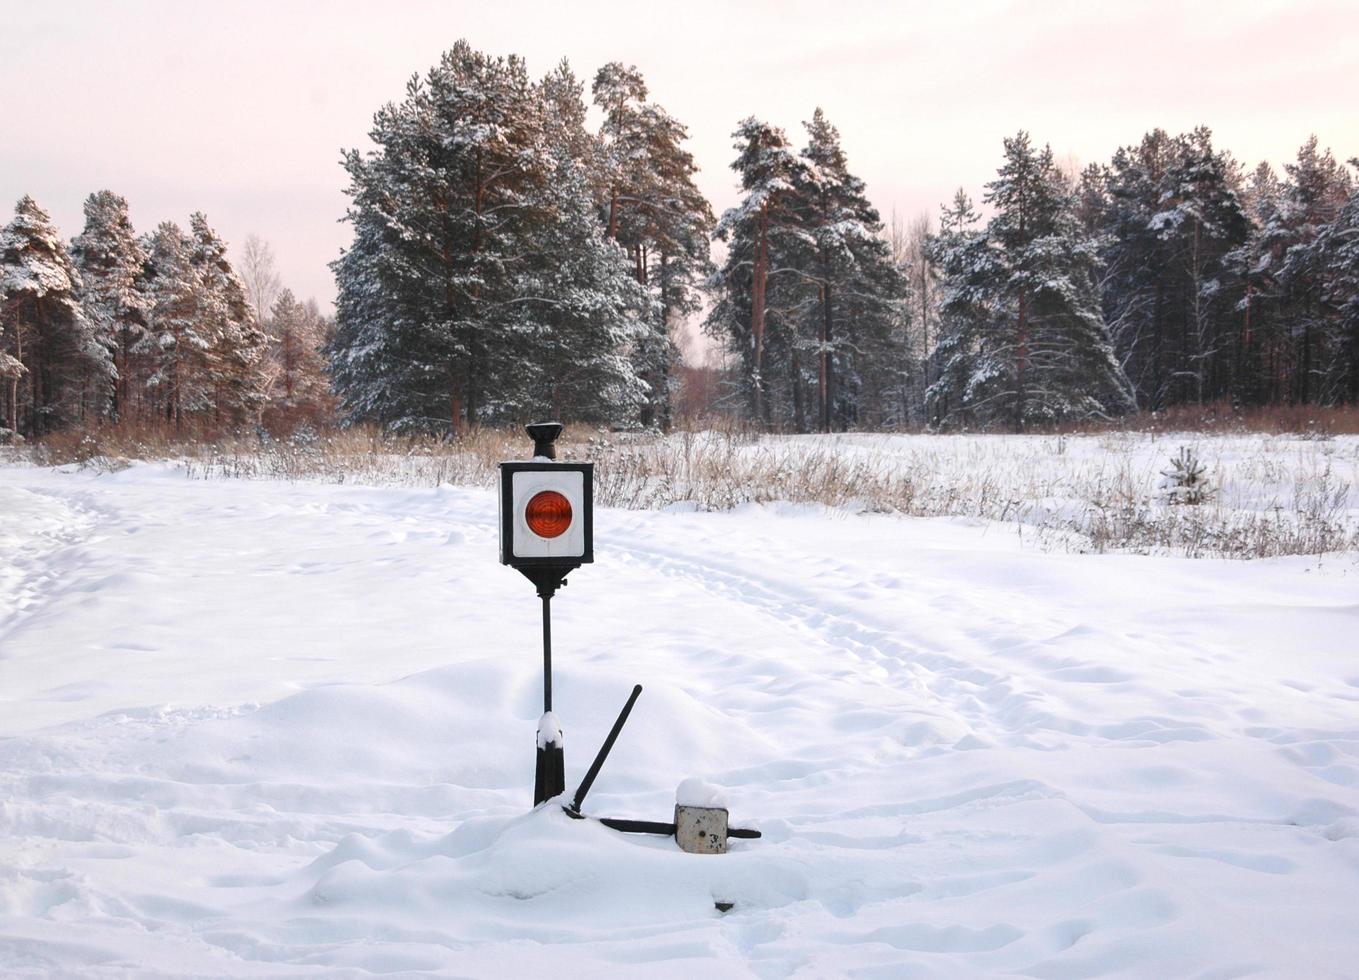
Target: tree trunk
(827, 364)
(1200, 339)
(663, 410)
(925, 323)
(757, 309)
(38, 373)
(799, 409)
(14, 385)
(473, 339)
(1304, 385)
(1158, 346)
(1021, 358)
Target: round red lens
(548, 514)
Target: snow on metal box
(555, 498)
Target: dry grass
(1313, 421)
(1099, 492)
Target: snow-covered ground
(270, 729)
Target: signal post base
(549, 777)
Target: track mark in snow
(986, 701)
(39, 533)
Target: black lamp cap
(544, 436)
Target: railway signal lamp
(546, 532)
(546, 513)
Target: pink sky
(241, 109)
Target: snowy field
(258, 728)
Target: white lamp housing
(546, 514)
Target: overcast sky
(240, 109)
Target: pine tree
(1200, 221)
(653, 209)
(112, 262)
(1030, 344)
(1337, 260)
(369, 370)
(1137, 290)
(178, 338)
(1265, 343)
(237, 344)
(766, 242)
(294, 380)
(440, 211)
(586, 315)
(12, 371)
(1294, 340)
(967, 308)
(1315, 195)
(48, 332)
(859, 292)
(462, 234)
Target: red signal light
(548, 514)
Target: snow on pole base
(549, 777)
(549, 730)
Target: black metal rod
(623, 825)
(638, 826)
(604, 750)
(547, 653)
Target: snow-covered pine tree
(1264, 342)
(369, 371)
(1293, 339)
(859, 292)
(1171, 223)
(1315, 195)
(619, 91)
(1135, 296)
(12, 371)
(462, 228)
(1336, 259)
(1045, 355)
(583, 313)
(767, 243)
(652, 208)
(967, 309)
(1057, 359)
(294, 380)
(47, 330)
(112, 263)
(442, 210)
(237, 342)
(178, 337)
(1202, 221)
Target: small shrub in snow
(1186, 481)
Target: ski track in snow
(261, 729)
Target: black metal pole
(604, 750)
(549, 778)
(547, 653)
